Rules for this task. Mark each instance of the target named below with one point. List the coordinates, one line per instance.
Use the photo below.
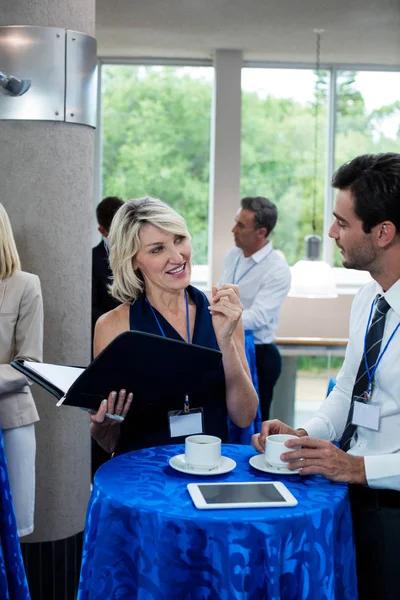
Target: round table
(145, 540)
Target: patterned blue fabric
(236, 434)
(13, 584)
(145, 540)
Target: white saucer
(179, 464)
(258, 462)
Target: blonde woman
(150, 257)
(21, 336)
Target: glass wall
(368, 113)
(156, 139)
(280, 150)
(367, 116)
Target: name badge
(366, 415)
(185, 423)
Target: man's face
(244, 232)
(357, 248)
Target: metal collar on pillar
(47, 74)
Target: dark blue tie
(373, 346)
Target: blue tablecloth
(13, 584)
(145, 540)
(236, 434)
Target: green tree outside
(156, 141)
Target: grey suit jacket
(21, 336)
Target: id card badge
(185, 423)
(365, 415)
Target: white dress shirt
(381, 448)
(264, 282)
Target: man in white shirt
(263, 277)
(366, 423)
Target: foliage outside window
(368, 116)
(156, 139)
(278, 150)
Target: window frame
(348, 281)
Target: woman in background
(150, 257)
(21, 336)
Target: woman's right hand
(269, 428)
(113, 406)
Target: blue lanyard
(371, 372)
(187, 317)
(249, 269)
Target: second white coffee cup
(275, 446)
(202, 451)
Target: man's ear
(262, 232)
(103, 231)
(386, 233)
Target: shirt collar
(392, 296)
(260, 254)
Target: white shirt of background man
(264, 282)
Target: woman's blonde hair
(9, 258)
(124, 241)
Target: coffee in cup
(202, 451)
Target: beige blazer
(21, 336)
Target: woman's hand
(105, 430)
(108, 406)
(226, 311)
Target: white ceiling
(357, 31)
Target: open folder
(154, 368)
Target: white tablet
(241, 495)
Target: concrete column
(225, 156)
(283, 405)
(47, 188)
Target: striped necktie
(372, 347)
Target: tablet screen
(240, 494)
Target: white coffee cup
(275, 446)
(202, 451)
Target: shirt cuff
(383, 471)
(317, 427)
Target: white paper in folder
(59, 375)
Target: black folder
(154, 368)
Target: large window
(279, 149)
(156, 139)
(367, 116)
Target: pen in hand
(109, 415)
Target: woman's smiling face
(164, 259)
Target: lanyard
(249, 269)
(371, 372)
(187, 317)
(186, 403)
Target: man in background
(102, 302)
(263, 277)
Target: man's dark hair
(374, 183)
(106, 210)
(265, 212)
